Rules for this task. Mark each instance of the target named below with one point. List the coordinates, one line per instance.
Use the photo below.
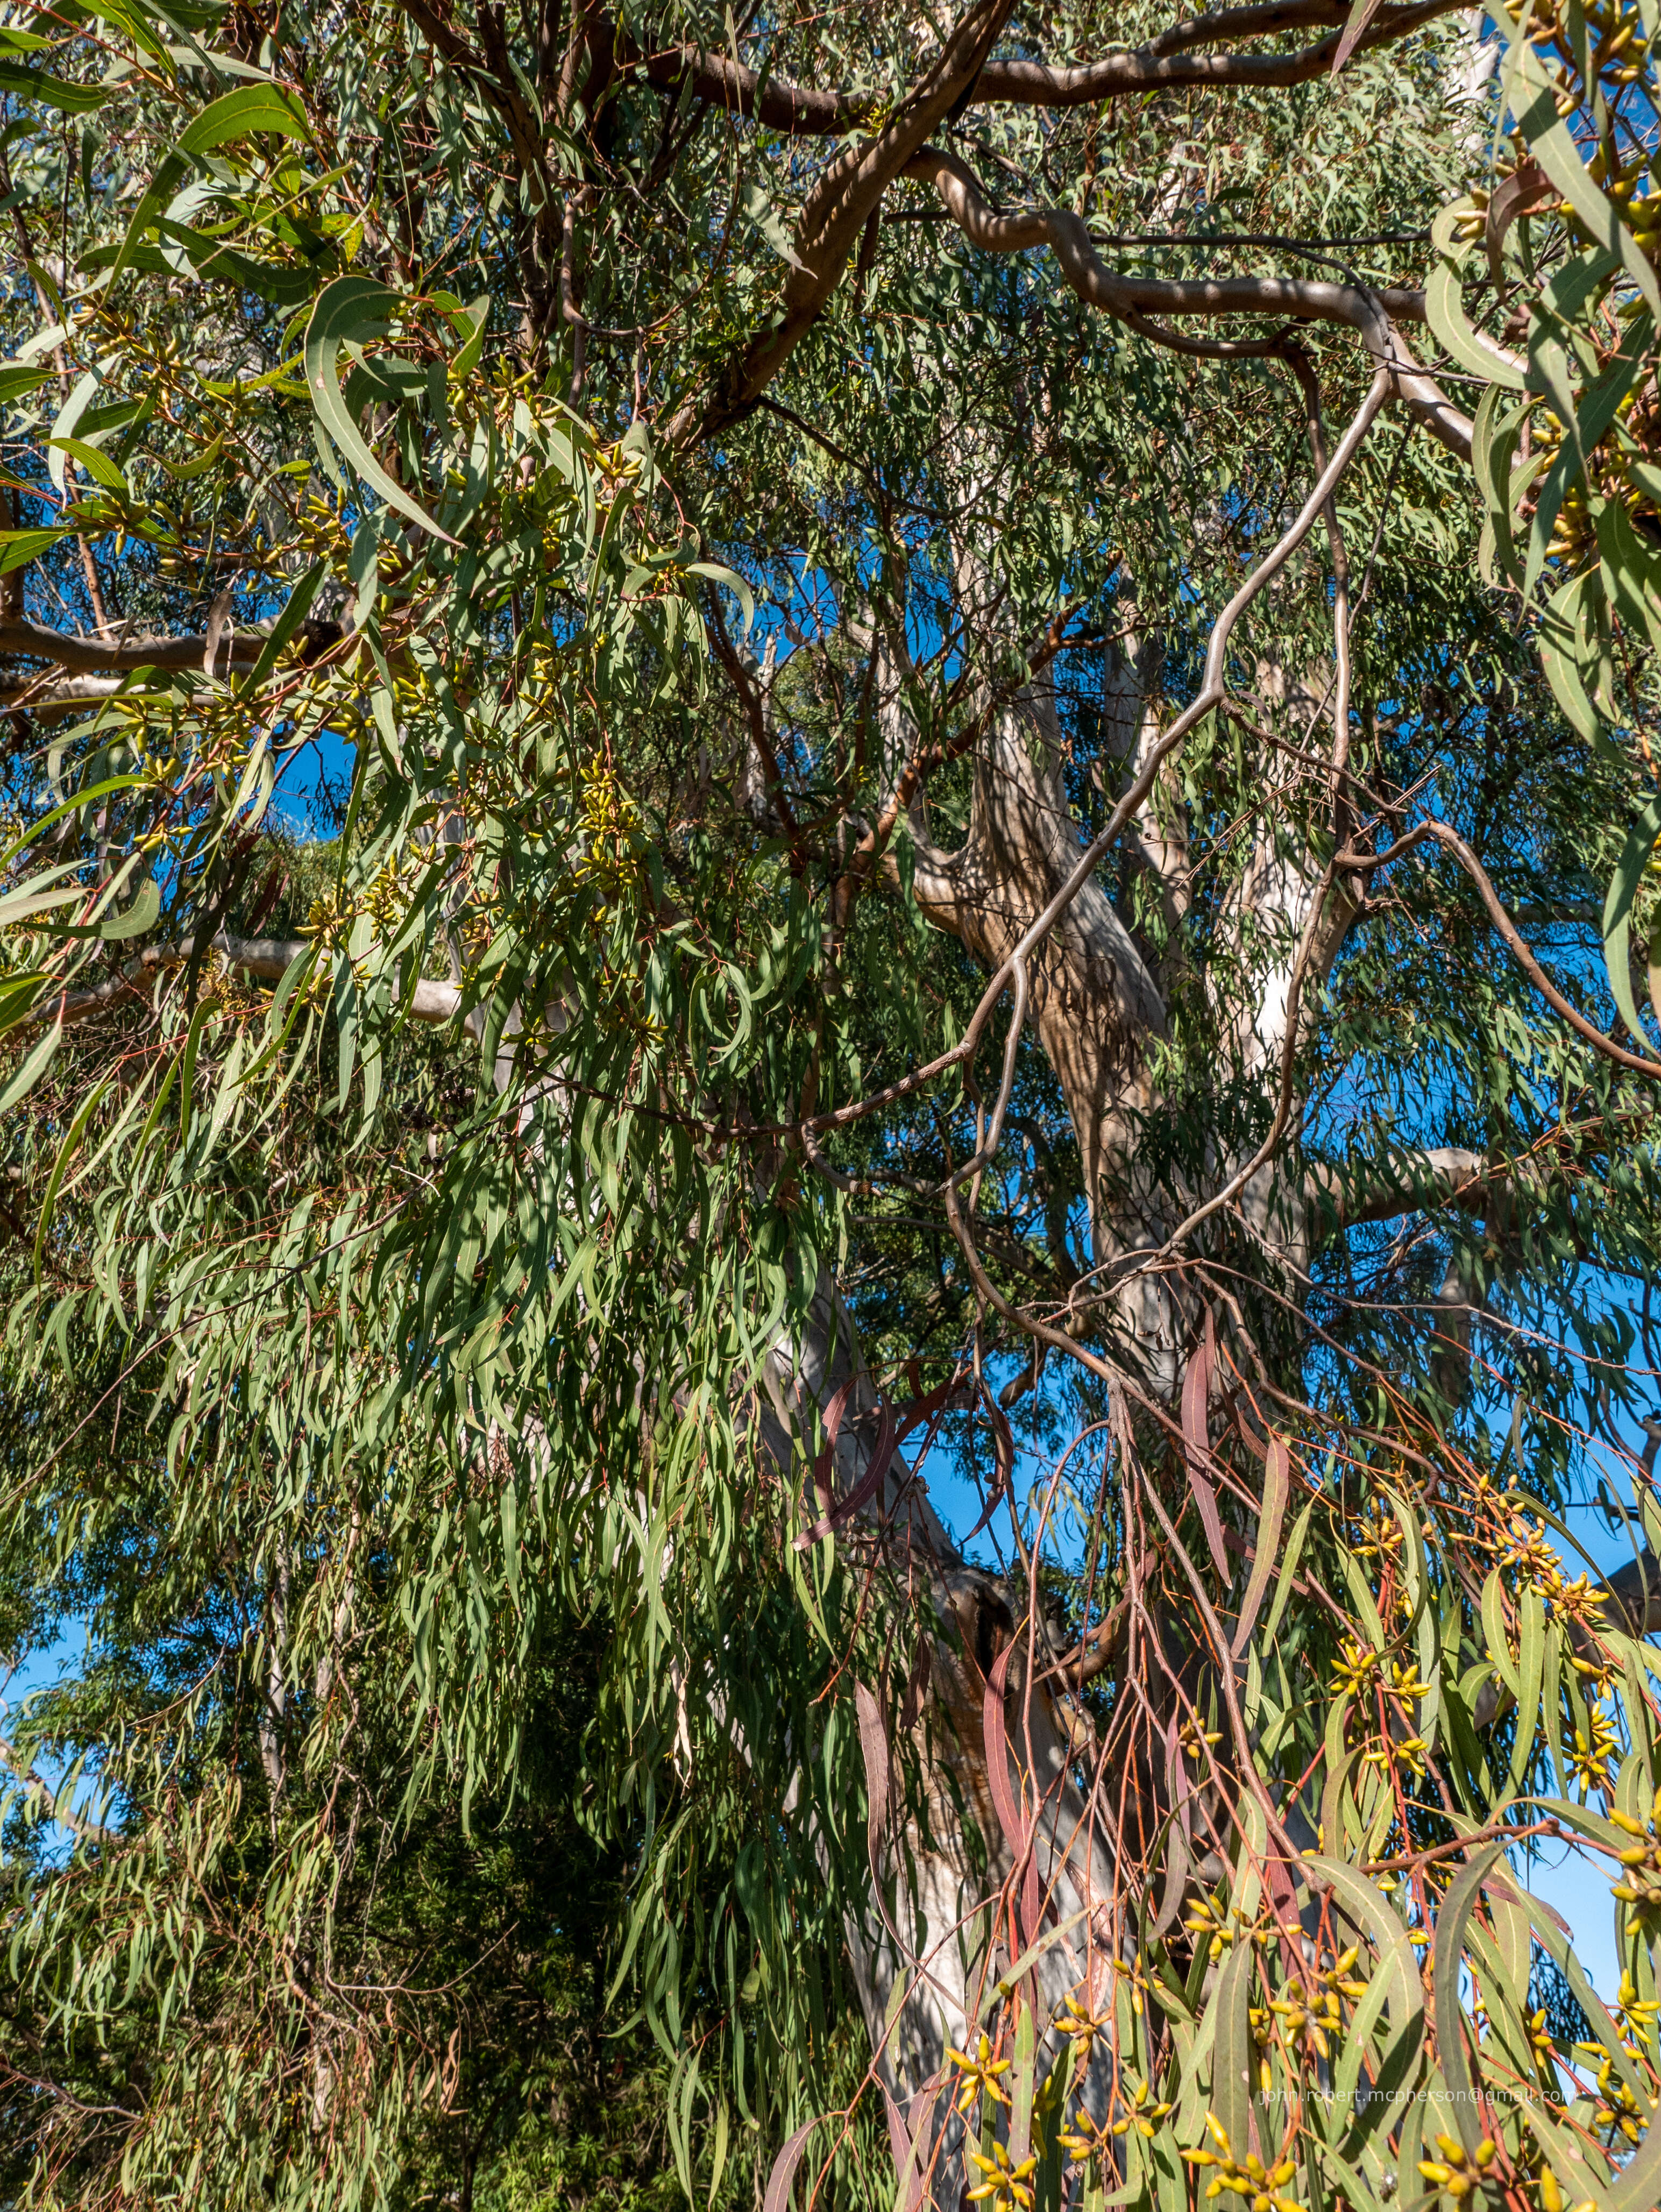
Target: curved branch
(89, 657)
(798, 110)
(1515, 942)
(1132, 299)
(269, 958)
(835, 214)
(807, 111)
(1211, 693)
(1162, 64)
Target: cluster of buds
(1589, 1761)
(1456, 2173)
(1005, 2185)
(1640, 209)
(1618, 2110)
(1211, 1922)
(1313, 2012)
(1621, 44)
(1635, 2016)
(1259, 2185)
(1574, 534)
(609, 829)
(1083, 2025)
(1084, 2140)
(1193, 1740)
(1144, 2113)
(1405, 1684)
(978, 2076)
(1618, 55)
(620, 464)
(1380, 1534)
(1410, 1750)
(1640, 1884)
(1527, 1547)
(1354, 1668)
(388, 895)
(1579, 1601)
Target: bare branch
(809, 110)
(240, 650)
(1132, 299)
(835, 214)
(1513, 938)
(1161, 63)
(269, 958)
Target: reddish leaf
(1197, 1440)
(1016, 1833)
(863, 1492)
(908, 2138)
(899, 2143)
(1526, 188)
(784, 2169)
(890, 1436)
(1355, 30)
(874, 1743)
(998, 1754)
(1277, 1490)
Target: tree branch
(269, 958)
(1161, 63)
(1514, 939)
(241, 649)
(807, 111)
(1132, 299)
(835, 213)
(1442, 1174)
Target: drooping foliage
(485, 554)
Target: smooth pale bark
(943, 1944)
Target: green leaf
(99, 790)
(139, 916)
(472, 322)
(66, 1152)
(250, 111)
(33, 1067)
(1617, 912)
(19, 547)
(767, 220)
(354, 309)
(1397, 1972)
(1632, 569)
(98, 466)
(1455, 1911)
(1445, 311)
(295, 613)
(33, 897)
(18, 379)
(1570, 643)
(1232, 2050)
(24, 83)
(1290, 1568)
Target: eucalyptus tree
(971, 825)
